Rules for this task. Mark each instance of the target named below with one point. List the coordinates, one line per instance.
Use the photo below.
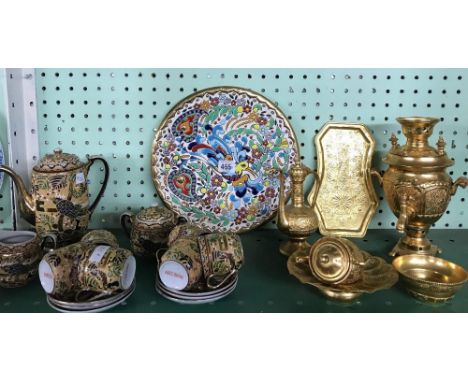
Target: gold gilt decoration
(345, 196)
(376, 275)
(417, 186)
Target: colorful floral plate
(216, 157)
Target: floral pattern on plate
(217, 155)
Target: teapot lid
(58, 162)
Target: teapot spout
(25, 199)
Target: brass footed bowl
(429, 278)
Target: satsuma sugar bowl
(20, 254)
(149, 228)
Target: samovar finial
(394, 141)
(441, 145)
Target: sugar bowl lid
(330, 259)
(58, 162)
(156, 215)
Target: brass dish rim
(425, 281)
(225, 88)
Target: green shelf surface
(265, 285)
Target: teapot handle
(92, 159)
(126, 221)
(312, 198)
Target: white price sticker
(98, 253)
(226, 167)
(80, 178)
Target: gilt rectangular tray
(344, 198)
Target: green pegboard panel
(113, 112)
(5, 194)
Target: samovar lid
(58, 162)
(416, 152)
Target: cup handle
(126, 222)
(158, 251)
(210, 285)
(49, 238)
(233, 271)
(92, 159)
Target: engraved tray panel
(345, 197)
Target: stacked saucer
(196, 296)
(90, 303)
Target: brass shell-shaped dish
(345, 199)
(377, 275)
(429, 278)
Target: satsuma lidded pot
(58, 203)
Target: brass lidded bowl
(429, 278)
(335, 260)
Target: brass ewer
(416, 184)
(297, 220)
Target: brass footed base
(289, 247)
(414, 246)
(340, 295)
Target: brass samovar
(416, 184)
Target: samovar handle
(462, 181)
(377, 174)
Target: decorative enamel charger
(217, 155)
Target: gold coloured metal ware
(297, 220)
(429, 278)
(376, 275)
(416, 184)
(336, 261)
(344, 199)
